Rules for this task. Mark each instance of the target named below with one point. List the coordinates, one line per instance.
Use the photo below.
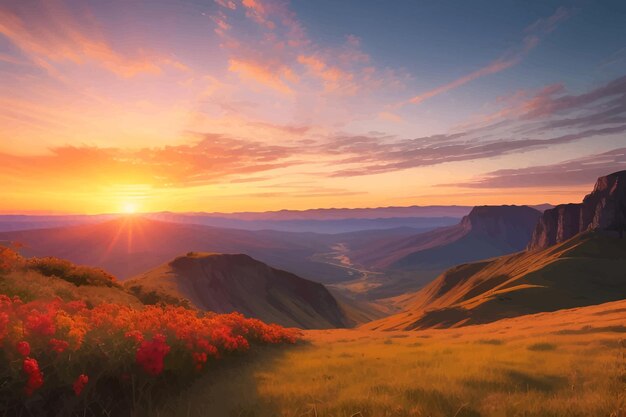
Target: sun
(129, 207)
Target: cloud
(552, 108)
(210, 159)
(332, 77)
(276, 52)
(373, 156)
(273, 76)
(533, 35)
(580, 171)
(51, 32)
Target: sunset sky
(253, 105)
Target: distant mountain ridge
(604, 208)
(127, 246)
(487, 231)
(224, 283)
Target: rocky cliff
(603, 209)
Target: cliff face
(603, 209)
(512, 225)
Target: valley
(312, 208)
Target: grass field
(569, 363)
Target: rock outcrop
(603, 209)
(512, 225)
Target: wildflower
(80, 383)
(39, 323)
(23, 348)
(35, 376)
(151, 354)
(200, 359)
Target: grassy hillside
(566, 364)
(48, 278)
(585, 270)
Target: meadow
(569, 363)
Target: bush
(63, 356)
(77, 275)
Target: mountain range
(584, 267)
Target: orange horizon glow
(241, 105)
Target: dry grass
(555, 364)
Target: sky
(255, 105)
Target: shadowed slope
(225, 283)
(587, 269)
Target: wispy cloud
(547, 118)
(580, 171)
(532, 37)
(278, 53)
(51, 32)
(208, 159)
(372, 156)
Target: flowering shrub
(53, 347)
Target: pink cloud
(277, 53)
(264, 73)
(50, 33)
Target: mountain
(604, 208)
(487, 231)
(334, 213)
(130, 245)
(328, 226)
(12, 222)
(584, 270)
(226, 283)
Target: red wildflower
(39, 323)
(80, 383)
(200, 359)
(151, 354)
(35, 376)
(58, 346)
(4, 322)
(23, 348)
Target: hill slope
(225, 283)
(587, 269)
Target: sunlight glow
(129, 207)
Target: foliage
(77, 275)
(54, 351)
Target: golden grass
(568, 363)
